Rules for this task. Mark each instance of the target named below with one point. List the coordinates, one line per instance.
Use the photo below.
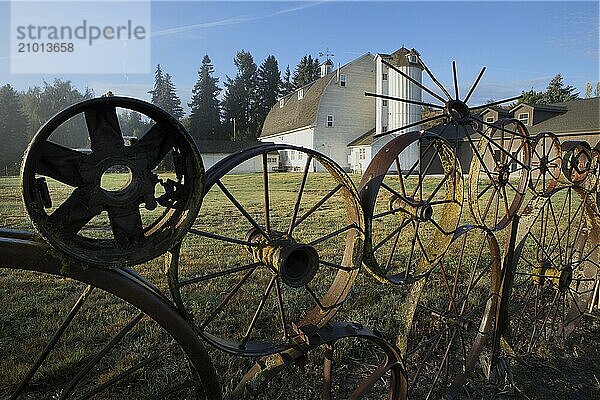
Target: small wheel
(578, 161)
(339, 361)
(270, 252)
(450, 315)
(555, 269)
(410, 215)
(75, 333)
(499, 173)
(546, 161)
(101, 221)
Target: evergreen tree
(158, 92)
(287, 86)
(41, 103)
(132, 124)
(164, 94)
(597, 91)
(240, 100)
(205, 114)
(588, 90)
(306, 72)
(13, 129)
(556, 92)
(532, 97)
(269, 87)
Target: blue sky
(523, 44)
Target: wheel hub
(458, 112)
(296, 263)
(418, 209)
(560, 278)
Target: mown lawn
(32, 305)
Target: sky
(522, 44)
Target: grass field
(33, 305)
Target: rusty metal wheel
(578, 161)
(449, 317)
(410, 215)
(101, 221)
(338, 361)
(70, 332)
(554, 270)
(510, 165)
(546, 162)
(270, 252)
(499, 173)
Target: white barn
(333, 116)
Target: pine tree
(13, 129)
(287, 86)
(597, 91)
(307, 71)
(205, 114)
(173, 102)
(269, 87)
(556, 92)
(159, 88)
(532, 97)
(164, 94)
(240, 100)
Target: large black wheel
(101, 221)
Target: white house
(333, 116)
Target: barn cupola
(326, 67)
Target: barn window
(300, 155)
(281, 103)
(300, 94)
(524, 118)
(489, 119)
(293, 155)
(330, 121)
(384, 103)
(384, 77)
(361, 154)
(343, 80)
(384, 128)
(412, 58)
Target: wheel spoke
(55, 338)
(242, 209)
(72, 214)
(222, 238)
(474, 85)
(317, 205)
(103, 128)
(419, 103)
(455, 79)
(299, 198)
(218, 274)
(415, 82)
(155, 144)
(58, 162)
(126, 226)
(266, 194)
(263, 300)
(94, 361)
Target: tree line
(247, 98)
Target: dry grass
(33, 305)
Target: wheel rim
(546, 163)
(297, 276)
(407, 209)
(555, 270)
(496, 193)
(82, 225)
(104, 345)
(378, 374)
(450, 315)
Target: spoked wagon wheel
(499, 173)
(339, 361)
(101, 221)
(499, 164)
(75, 333)
(412, 196)
(546, 161)
(555, 268)
(269, 252)
(578, 161)
(450, 316)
